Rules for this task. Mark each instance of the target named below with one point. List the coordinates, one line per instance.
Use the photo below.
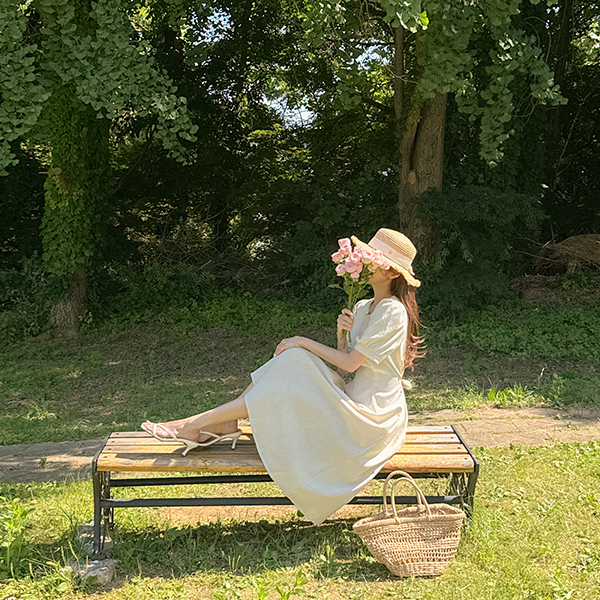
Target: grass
(535, 535)
(537, 521)
(185, 360)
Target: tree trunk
(421, 155)
(75, 188)
(66, 315)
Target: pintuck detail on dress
(320, 440)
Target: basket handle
(421, 500)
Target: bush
(253, 315)
(161, 285)
(26, 297)
(521, 330)
(482, 233)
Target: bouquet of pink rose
(356, 265)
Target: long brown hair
(414, 344)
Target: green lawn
(53, 390)
(535, 535)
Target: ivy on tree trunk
(71, 68)
(75, 188)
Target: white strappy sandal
(190, 444)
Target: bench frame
(461, 490)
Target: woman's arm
(346, 361)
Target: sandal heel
(235, 437)
(189, 446)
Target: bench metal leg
(471, 483)
(103, 516)
(458, 487)
(108, 512)
(468, 480)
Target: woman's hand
(345, 320)
(288, 343)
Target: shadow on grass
(330, 550)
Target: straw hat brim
(402, 270)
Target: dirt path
(51, 461)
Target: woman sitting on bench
(321, 440)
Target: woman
(320, 440)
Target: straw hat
(397, 249)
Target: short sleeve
(386, 333)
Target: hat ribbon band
(390, 252)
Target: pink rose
(355, 275)
(353, 265)
(380, 261)
(340, 269)
(367, 257)
(337, 256)
(345, 245)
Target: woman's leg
(220, 420)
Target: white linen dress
(320, 440)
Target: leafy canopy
(101, 57)
(444, 55)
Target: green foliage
(478, 231)
(76, 184)
(521, 330)
(512, 396)
(589, 44)
(571, 199)
(160, 285)
(13, 520)
(21, 210)
(22, 92)
(452, 46)
(348, 188)
(254, 316)
(287, 590)
(93, 51)
(26, 297)
(472, 49)
(472, 396)
(93, 73)
(320, 15)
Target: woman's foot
(186, 430)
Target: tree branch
(376, 104)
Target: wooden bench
(428, 452)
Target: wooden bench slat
(411, 463)
(412, 430)
(251, 464)
(174, 447)
(445, 438)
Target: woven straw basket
(416, 541)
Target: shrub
(481, 233)
(161, 285)
(26, 298)
(525, 331)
